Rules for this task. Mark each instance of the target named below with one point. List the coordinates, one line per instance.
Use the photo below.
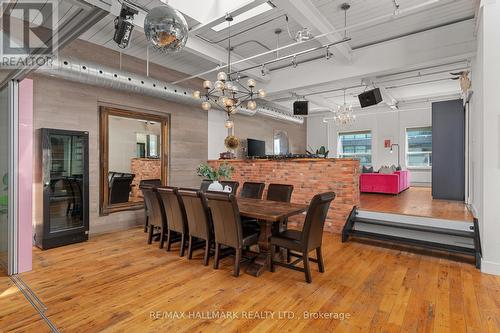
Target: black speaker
(370, 97)
(300, 108)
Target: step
(457, 225)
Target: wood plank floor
(416, 201)
(113, 282)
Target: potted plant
(215, 174)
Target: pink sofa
(393, 183)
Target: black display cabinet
(65, 178)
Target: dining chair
(282, 193)
(252, 190)
(310, 238)
(151, 183)
(205, 183)
(233, 184)
(156, 215)
(228, 228)
(199, 220)
(176, 216)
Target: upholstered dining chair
(199, 220)
(233, 184)
(150, 183)
(252, 190)
(310, 238)
(205, 183)
(228, 228)
(156, 215)
(282, 193)
(176, 216)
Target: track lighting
(328, 54)
(294, 61)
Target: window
(419, 147)
(356, 145)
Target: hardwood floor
(416, 201)
(113, 283)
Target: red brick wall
(144, 168)
(308, 177)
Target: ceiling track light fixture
(227, 93)
(397, 11)
(294, 61)
(328, 54)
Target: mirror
(133, 152)
(281, 144)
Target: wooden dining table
(267, 213)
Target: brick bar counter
(309, 177)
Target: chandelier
(344, 115)
(227, 92)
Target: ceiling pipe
(97, 75)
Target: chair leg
(217, 253)
(146, 224)
(181, 251)
(150, 234)
(190, 248)
(271, 264)
(169, 239)
(288, 256)
(307, 269)
(237, 260)
(319, 257)
(207, 252)
(162, 238)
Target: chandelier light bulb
(221, 76)
(229, 86)
(252, 105)
(229, 124)
(262, 93)
(251, 83)
(233, 110)
(196, 94)
(207, 84)
(219, 85)
(206, 105)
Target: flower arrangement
(223, 172)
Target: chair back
(153, 206)
(150, 182)
(205, 183)
(312, 232)
(197, 213)
(234, 185)
(279, 192)
(174, 210)
(119, 188)
(252, 190)
(226, 218)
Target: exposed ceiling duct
(97, 75)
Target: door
(65, 181)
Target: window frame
(105, 208)
(354, 155)
(407, 152)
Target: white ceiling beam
(309, 16)
(437, 46)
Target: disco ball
(166, 29)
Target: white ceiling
(260, 37)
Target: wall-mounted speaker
(300, 108)
(370, 97)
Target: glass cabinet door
(64, 181)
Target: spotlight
(328, 54)
(124, 26)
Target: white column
(489, 55)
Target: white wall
(486, 133)
(216, 134)
(384, 125)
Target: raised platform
(416, 201)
